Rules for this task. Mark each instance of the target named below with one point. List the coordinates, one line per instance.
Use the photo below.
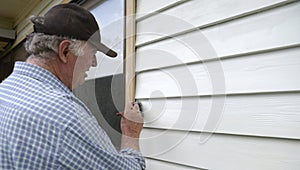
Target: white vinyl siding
(146, 7)
(256, 44)
(222, 151)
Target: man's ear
(63, 50)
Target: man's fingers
(120, 114)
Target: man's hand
(131, 126)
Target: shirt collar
(39, 74)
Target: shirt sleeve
(78, 151)
(136, 155)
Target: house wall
(219, 83)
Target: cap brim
(104, 49)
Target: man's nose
(94, 61)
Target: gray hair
(46, 46)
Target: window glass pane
(103, 92)
(110, 17)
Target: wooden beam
(130, 51)
(6, 23)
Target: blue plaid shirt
(44, 126)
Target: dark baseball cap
(73, 21)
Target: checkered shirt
(44, 126)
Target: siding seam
(227, 134)
(161, 10)
(228, 94)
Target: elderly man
(42, 124)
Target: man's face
(82, 64)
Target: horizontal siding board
(197, 13)
(158, 164)
(146, 7)
(271, 115)
(187, 48)
(266, 72)
(221, 152)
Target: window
(103, 91)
